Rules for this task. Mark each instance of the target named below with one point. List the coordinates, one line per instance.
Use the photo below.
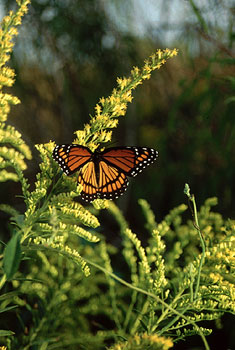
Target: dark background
(68, 55)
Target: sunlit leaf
(12, 256)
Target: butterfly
(103, 174)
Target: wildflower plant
(68, 277)
(13, 149)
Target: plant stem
(192, 199)
(203, 248)
(140, 290)
(199, 16)
(191, 283)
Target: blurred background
(68, 55)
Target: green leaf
(230, 99)
(4, 333)
(8, 295)
(12, 256)
(8, 308)
(19, 219)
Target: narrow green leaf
(12, 256)
(4, 333)
(8, 308)
(8, 295)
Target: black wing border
(62, 163)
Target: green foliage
(174, 273)
(13, 149)
(65, 294)
(12, 256)
(160, 302)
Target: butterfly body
(103, 174)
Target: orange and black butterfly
(103, 174)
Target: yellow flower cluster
(7, 32)
(58, 245)
(74, 211)
(12, 157)
(110, 108)
(8, 135)
(149, 215)
(145, 268)
(156, 254)
(5, 101)
(144, 341)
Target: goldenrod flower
(109, 109)
(8, 134)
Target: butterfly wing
(112, 181)
(87, 178)
(71, 157)
(129, 160)
(109, 183)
